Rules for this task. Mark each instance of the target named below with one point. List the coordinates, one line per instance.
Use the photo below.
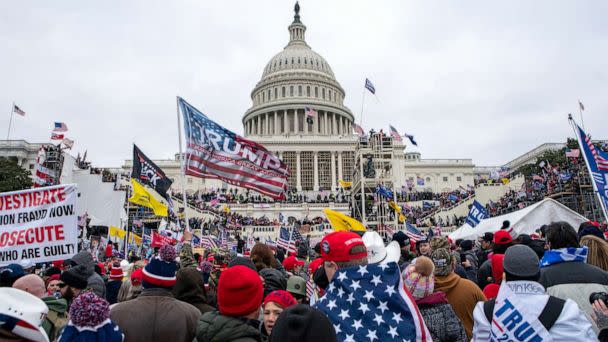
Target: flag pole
(10, 122)
(127, 224)
(183, 165)
(362, 104)
(580, 143)
(580, 112)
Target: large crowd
(347, 287)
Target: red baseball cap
(290, 262)
(314, 265)
(502, 237)
(342, 246)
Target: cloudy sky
(469, 79)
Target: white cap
(28, 310)
(377, 252)
(27, 263)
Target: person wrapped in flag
(366, 302)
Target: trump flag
(216, 152)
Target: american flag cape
(215, 152)
(370, 303)
(394, 133)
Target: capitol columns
(276, 122)
(316, 171)
(298, 172)
(340, 176)
(333, 171)
(296, 124)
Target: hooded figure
(190, 288)
(273, 280)
(94, 280)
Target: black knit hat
(242, 261)
(401, 238)
(303, 323)
(75, 277)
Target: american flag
(208, 241)
(601, 157)
(311, 291)
(285, 240)
(295, 235)
(359, 130)
(196, 241)
(215, 152)
(369, 86)
(56, 136)
(394, 133)
(369, 303)
(18, 110)
(60, 127)
(574, 153)
(413, 233)
(226, 243)
(311, 112)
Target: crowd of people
(348, 287)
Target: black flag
(145, 171)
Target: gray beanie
(521, 261)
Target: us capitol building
(321, 151)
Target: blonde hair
(598, 251)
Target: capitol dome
(293, 80)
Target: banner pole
(127, 224)
(183, 165)
(580, 113)
(595, 189)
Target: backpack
(547, 317)
(58, 322)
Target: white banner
(512, 320)
(38, 224)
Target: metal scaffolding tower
(374, 166)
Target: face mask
(320, 278)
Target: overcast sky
(470, 79)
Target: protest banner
(159, 240)
(38, 224)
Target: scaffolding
(374, 157)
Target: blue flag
(369, 86)
(384, 192)
(477, 213)
(597, 162)
(411, 137)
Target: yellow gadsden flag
(115, 231)
(341, 222)
(142, 197)
(345, 184)
(134, 238)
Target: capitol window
(317, 92)
(459, 179)
(324, 162)
(290, 160)
(307, 170)
(445, 179)
(305, 62)
(308, 91)
(283, 92)
(290, 90)
(348, 164)
(268, 94)
(323, 93)
(300, 90)
(276, 94)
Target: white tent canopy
(524, 221)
